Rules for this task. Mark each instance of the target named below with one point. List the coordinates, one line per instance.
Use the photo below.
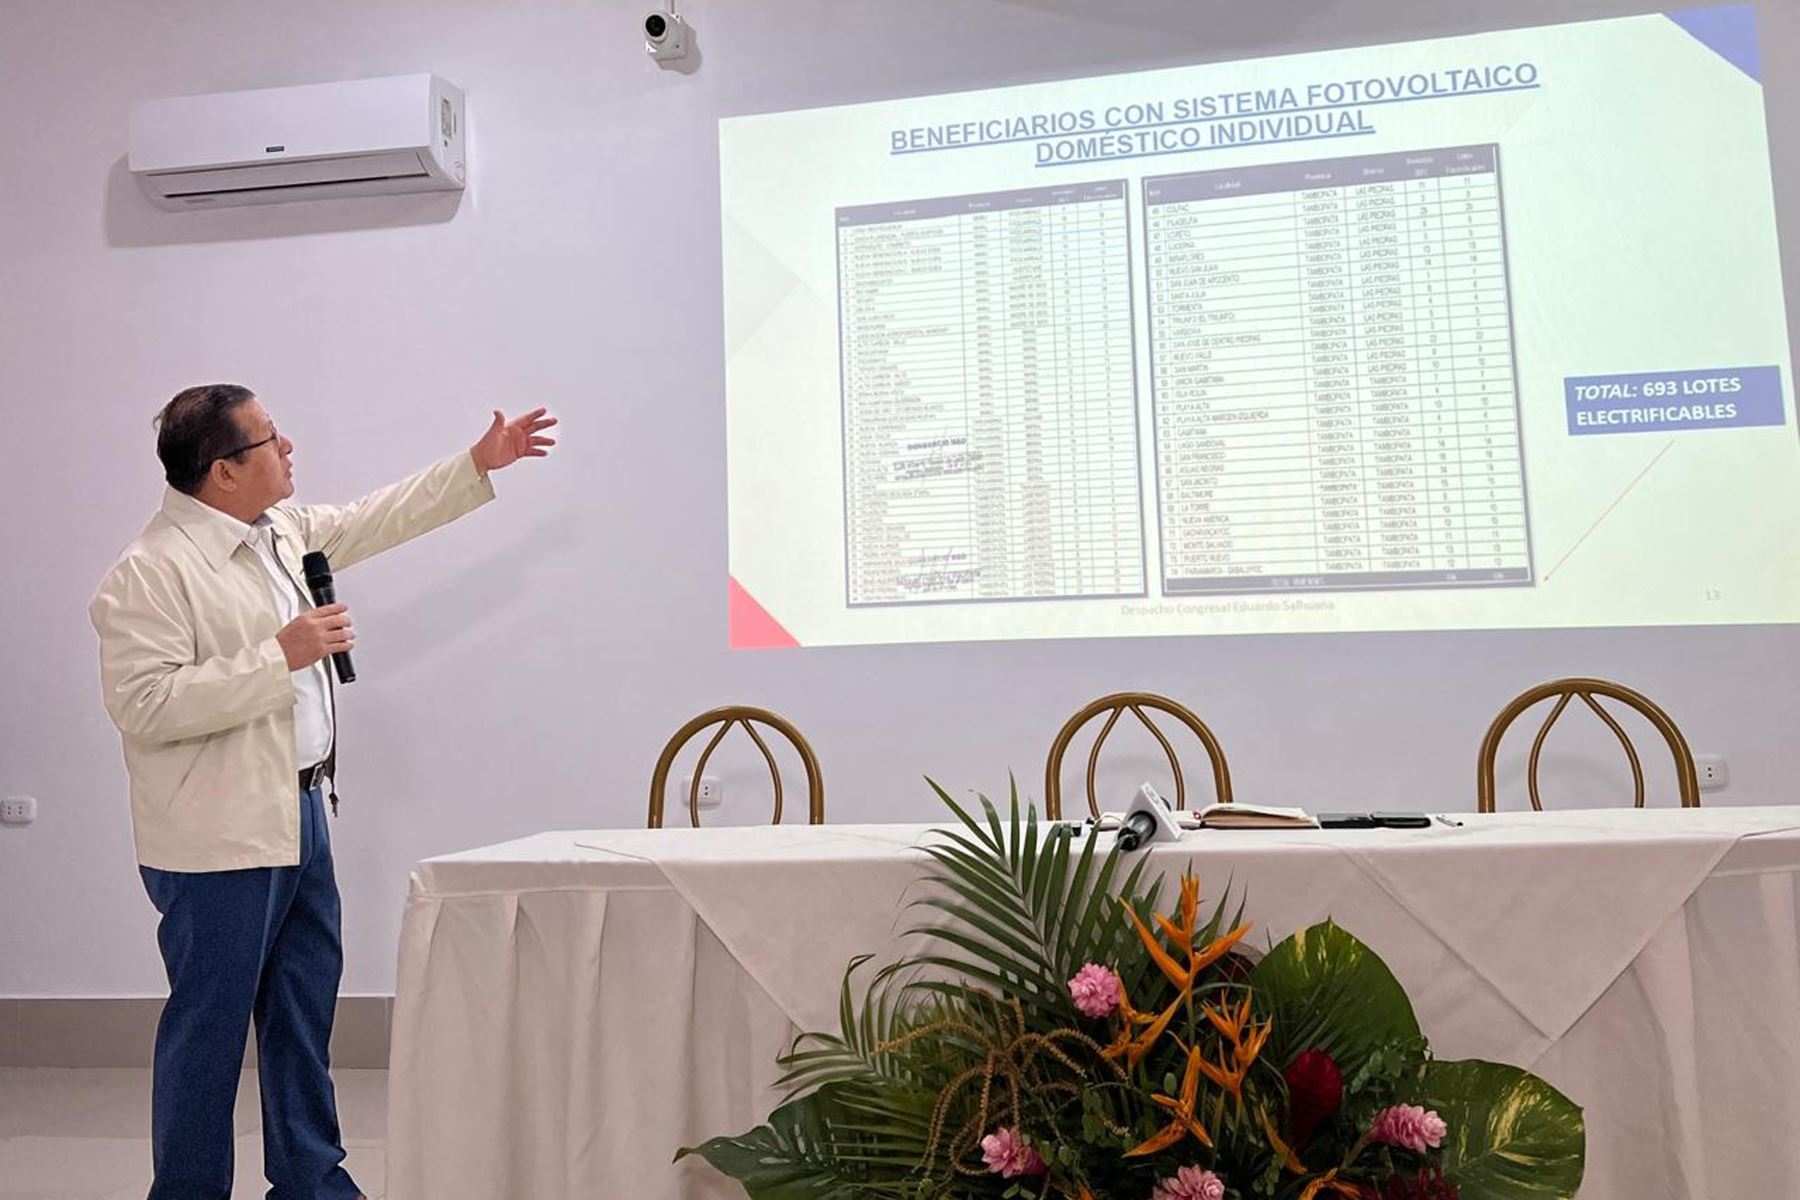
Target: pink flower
(1410, 1126)
(1006, 1154)
(1096, 990)
(1190, 1183)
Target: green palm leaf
(991, 884)
(1019, 917)
(882, 1016)
(841, 1142)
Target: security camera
(666, 36)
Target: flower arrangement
(1053, 1034)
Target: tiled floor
(85, 1134)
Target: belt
(310, 776)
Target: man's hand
(314, 634)
(506, 442)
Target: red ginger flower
(1428, 1184)
(1315, 1091)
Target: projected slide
(1332, 375)
(1481, 332)
(989, 414)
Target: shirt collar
(216, 534)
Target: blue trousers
(259, 944)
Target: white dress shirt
(312, 695)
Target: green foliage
(1511, 1136)
(975, 1029)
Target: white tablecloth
(574, 1006)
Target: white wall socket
(18, 810)
(712, 792)
(1714, 774)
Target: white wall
(521, 668)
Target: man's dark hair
(196, 429)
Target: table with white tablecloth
(573, 1007)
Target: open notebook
(1254, 816)
(1231, 816)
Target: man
(213, 663)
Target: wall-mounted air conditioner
(365, 137)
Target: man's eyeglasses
(274, 435)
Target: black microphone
(1138, 828)
(318, 581)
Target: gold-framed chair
(749, 717)
(1687, 778)
(1117, 704)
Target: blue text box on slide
(1665, 401)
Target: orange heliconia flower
(1133, 1046)
(1246, 1040)
(1330, 1182)
(1182, 1121)
(1180, 931)
(1289, 1160)
(1228, 1020)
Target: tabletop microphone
(1147, 820)
(1138, 828)
(318, 581)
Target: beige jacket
(196, 682)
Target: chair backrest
(1117, 704)
(749, 718)
(1687, 777)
